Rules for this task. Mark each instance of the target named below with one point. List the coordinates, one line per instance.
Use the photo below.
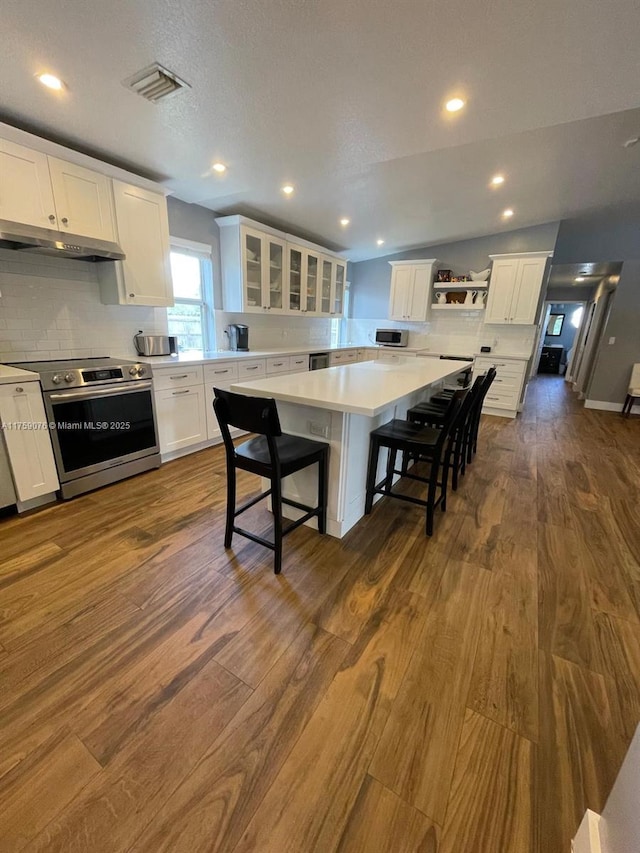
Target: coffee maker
(238, 337)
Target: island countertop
(364, 388)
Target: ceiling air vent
(155, 83)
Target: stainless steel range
(101, 419)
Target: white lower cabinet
(28, 442)
(299, 363)
(180, 407)
(503, 398)
(343, 357)
(220, 375)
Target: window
(576, 317)
(190, 318)
(554, 329)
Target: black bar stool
(273, 455)
(428, 414)
(425, 444)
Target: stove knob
(133, 371)
(69, 377)
(142, 371)
(56, 379)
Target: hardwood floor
(471, 693)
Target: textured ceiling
(344, 100)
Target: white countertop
(9, 375)
(228, 355)
(365, 388)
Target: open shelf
(460, 285)
(457, 306)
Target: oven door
(97, 428)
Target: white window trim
(205, 252)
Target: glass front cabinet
(263, 271)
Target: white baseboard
(609, 407)
(587, 839)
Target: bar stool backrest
(251, 414)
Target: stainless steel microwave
(392, 337)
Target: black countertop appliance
(238, 337)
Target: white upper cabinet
(263, 270)
(515, 285)
(44, 191)
(144, 277)
(26, 195)
(83, 200)
(411, 289)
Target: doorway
(561, 325)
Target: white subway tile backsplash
(50, 308)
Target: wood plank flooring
(470, 693)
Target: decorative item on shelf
(483, 275)
(441, 298)
(460, 278)
(443, 275)
(470, 297)
(456, 297)
(480, 298)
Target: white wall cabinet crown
(144, 277)
(411, 289)
(30, 451)
(47, 192)
(514, 292)
(264, 269)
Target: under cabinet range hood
(47, 241)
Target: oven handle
(85, 394)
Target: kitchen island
(342, 405)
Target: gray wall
(370, 280)
(613, 236)
(192, 222)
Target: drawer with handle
(502, 365)
(501, 400)
(177, 377)
(299, 363)
(249, 369)
(281, 364)
(215, 374)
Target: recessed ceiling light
(496, 180)
(50, 81)
(345, 221)
(579, 278)
(287, 189)
(219, 167)
(454, 105)
(508, 213)
(380, 242)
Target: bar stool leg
(276, 507)
(431, 497)
(391, 464)
(371, 474)
(323, 479)
(626, 409)
(231, 504)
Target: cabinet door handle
(182, 376)
(226, 370)
(52, 218)
(492, 398)
(132, 296)
(278, 363)
(19, 390)
(175, 393)
(65, 221)
(252, 368)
